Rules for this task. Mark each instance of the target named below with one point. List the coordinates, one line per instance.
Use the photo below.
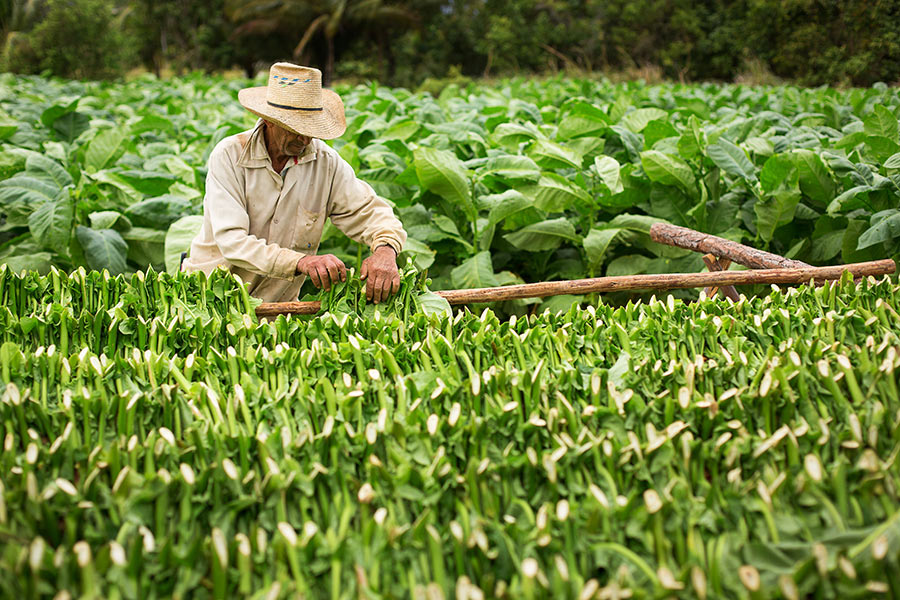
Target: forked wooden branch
(720, 264)
(682, 237)
(665, 281)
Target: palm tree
(327, 18)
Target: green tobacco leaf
(109, 219)
(637, 120)
(27, 189)
(855, 197)
(575, 126)
(149, 183)
(668, 170)
(551, 155)
(503, 205)
(178, 239)
(559, 304)
(732, 159)
(692, 140)
(146, 246)
(421, 255)
(545, 235)
(882, 122)
(476, 272)
(608, 169)
(760, 146)
(597, 242)
(47, 168)
(152, 123)
(401, 130)
(432, 304)
(881, 148)
(158, 213)
(511, 168)
(557, 194)
(51, 223)
(893, 162)
(510, 135)
(36, 261)
(780, 182)
(8, 126)
(827, 246)
(630, 264)
(65, 121)
(659, 129)
(104, 148)
(850, 251)
(103, 249)
(639, 223)
(443, 173)
(183, 171)
(582, 119)
(815, 180)
(885, 227)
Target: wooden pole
(720, 264)
(665, 281)
(682, 237)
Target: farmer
(270, 189)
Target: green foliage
(495, 184)
(80, 39)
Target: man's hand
(323, 270)
(381, 274)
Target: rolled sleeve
(361, 214)
(230, 224)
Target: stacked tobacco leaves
(158, 441)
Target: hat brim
(325, 124)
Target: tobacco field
(521, 181)
(159, 441)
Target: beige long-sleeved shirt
(259, 223)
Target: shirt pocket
(308, 232)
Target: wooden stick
(720, 264)
(665, 281)
(682, 237)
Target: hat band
(292, 107)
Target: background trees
(402, 42)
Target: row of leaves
(664, 449)
(520, 181)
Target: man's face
(285, 142)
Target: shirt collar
(255, 154)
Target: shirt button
(276, 221)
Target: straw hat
(295, 100)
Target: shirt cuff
(286, 264)
(387, 241)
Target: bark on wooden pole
(705, 243)
(665, 281)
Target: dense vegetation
(403, 42)
(159, 442)
(521, 181)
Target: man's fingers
(334, 272)
(377, 291)
(364, 270)
(314, 276)
(324, 277)
(395, 284)
(342, 269)
(386, 289)
(370, 289)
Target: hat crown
(295, 87)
